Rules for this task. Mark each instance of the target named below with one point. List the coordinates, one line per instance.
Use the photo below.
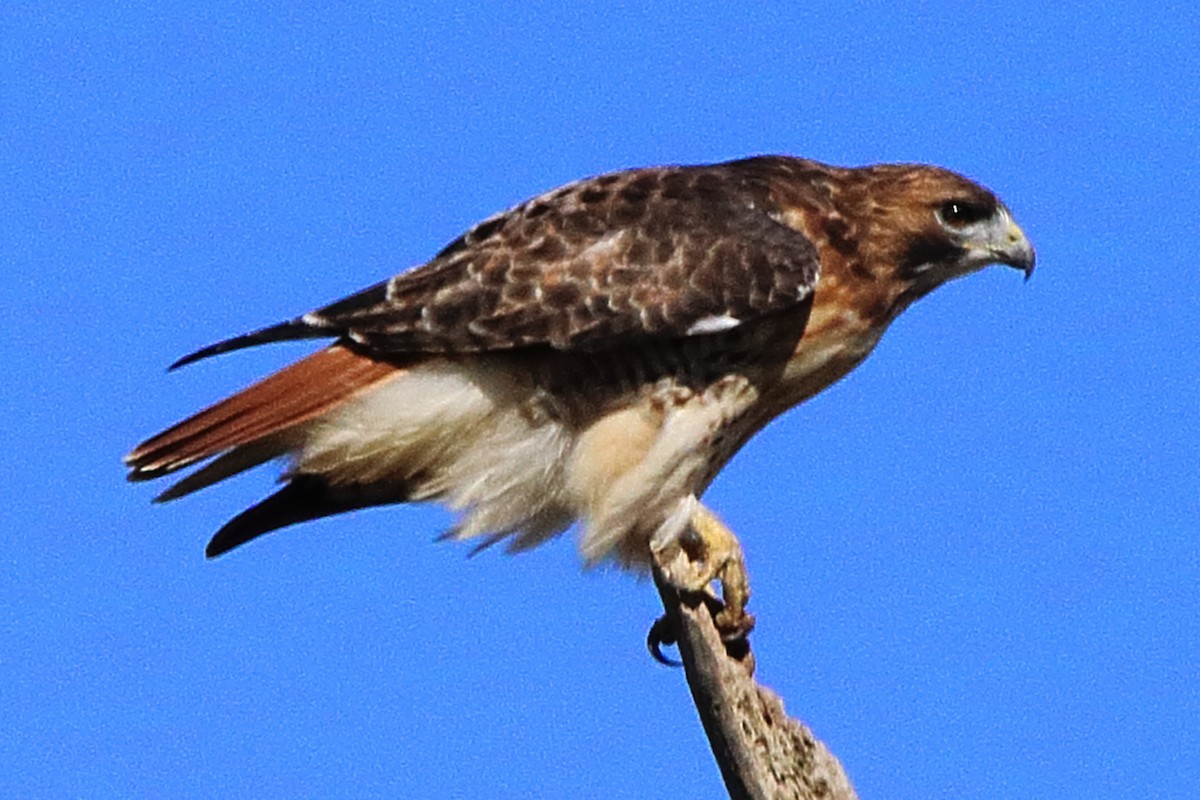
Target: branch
(761, 751)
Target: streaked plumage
(597, 353)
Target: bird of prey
(594, 355)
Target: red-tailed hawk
(594, 355)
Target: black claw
(662, 632)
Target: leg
(709, 551)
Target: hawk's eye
(961, 213)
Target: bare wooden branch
(761, 751)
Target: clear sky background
(975, 562)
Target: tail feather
(226, 465)
(294, 395)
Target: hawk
(594, 355)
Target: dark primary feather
(283, 332)
(304, 498)
(613, 259)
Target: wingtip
(213, 550)
(188, 359)
(282, 332)
(210, 350)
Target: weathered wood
(762, 753)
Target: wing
(664, 252)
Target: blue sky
(975, 561)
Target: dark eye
(961, 213)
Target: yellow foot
(708, 551)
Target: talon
(728, 566)
(662, 632)
(709, 552)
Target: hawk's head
(929, 225)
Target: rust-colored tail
(294, 395)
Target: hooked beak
(1016, 251)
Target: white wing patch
(713, 324)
